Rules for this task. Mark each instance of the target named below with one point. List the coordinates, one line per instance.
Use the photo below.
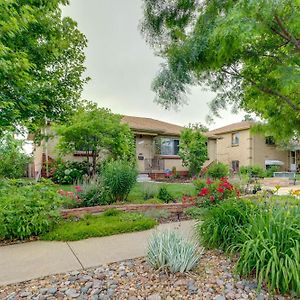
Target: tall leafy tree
(246, 51)
(13, 159)
(41, 62)
(96, 132)
(193, 149)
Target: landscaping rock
(154, 297)
(72, 293)
(106, 282)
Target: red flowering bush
(213, 192)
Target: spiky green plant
(171, 252)
(222, 223)
(272, 249)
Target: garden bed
(134, 279)
(174, 208)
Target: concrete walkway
(27, 261)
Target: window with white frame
(169, 146)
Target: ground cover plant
(168, 251)
(110, 223)
(27, 211)
(264, 233)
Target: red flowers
(212, 192)
(220, 190)
(204, 192)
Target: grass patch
(101, 225)
(175, 189)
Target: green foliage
(27, 210)
(93, 192)
(271, 249)
(199, 184)
(193, 149)
(165, 195)
(170, 252)
(13, 160)
(100, 225)
(136, 195)
(194, 212)
(112, 212)
(253, 171)
(222, 224)
(69, 172)
(119, 178)
(217, 171)
(265, 234)
(42, 56)
(96, 131)
(269, 171)
(216, 191)
(245, 51)
(158, 214)
(149, 190)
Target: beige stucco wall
(226, 152)
(263, 152)
(144, 147)
(177, 163)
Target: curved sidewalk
(31, 260)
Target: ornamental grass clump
(119, 177)
(271, 249)
(223, 223)
(170, 252)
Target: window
(270, 140)
(235, 139)
(235, 165)
(169, 146)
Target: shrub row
(28, 210)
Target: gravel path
(134, 279)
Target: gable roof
(244, 125)
(151, 125)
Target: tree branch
(266, 90)
(284, 33)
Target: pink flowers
(78, 188)
(209, 181)
(188, 200)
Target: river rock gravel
(214, 279)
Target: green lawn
(175, 189)
(99, 225)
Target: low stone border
(176, 208)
